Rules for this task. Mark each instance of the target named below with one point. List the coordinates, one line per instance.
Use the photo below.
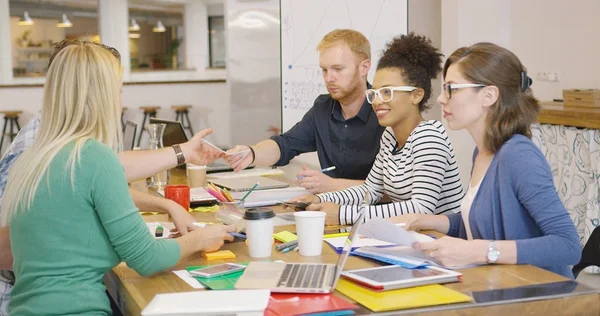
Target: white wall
(547, 35)
(206, 99)
(425, 18)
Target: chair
(129, 135)
(181, 112)
(590, 255)
(123, 109)
(149, 111)
(11, 117)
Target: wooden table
(133, 292)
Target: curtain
(574, 158)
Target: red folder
(300, 304)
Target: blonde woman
(67, 202)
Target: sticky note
(205, 209)
(219, 255)
(285, 236)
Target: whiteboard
(303, 25)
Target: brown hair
(417, 59)
(357, 42)
(59, 46)
(516, 108)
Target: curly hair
(418, 60)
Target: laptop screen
(174, 133)
(339, 266)
(129, 135)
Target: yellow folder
(421, 296)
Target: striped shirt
(421, 177)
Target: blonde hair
(357, 42)
(81, 102)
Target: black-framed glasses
(449, 87)
(386, 94)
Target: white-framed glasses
(386, 94)
(449, 87)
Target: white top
(465, 207)
(421, 177)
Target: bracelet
(179, 154)
(253, 154)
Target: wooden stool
(13, 118)
(149, 111)
(181, 112)
(123, 109)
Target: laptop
(246, 183)
(175, 134)
(280, 277)
(129, 135)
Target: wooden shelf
(555, 113)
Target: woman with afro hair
(415, 165)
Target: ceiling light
(25, 20)
(134, 35)
(134, 26)
(64, 22)
(159, 28)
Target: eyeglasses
(386, 94)
(448, 87)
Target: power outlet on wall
(548, 76)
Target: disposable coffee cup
(309, 228)
(196, 175)
(259, 231)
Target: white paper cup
(309, 228)
(259, 232)
(196, 175)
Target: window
(156, 35)
(35, 26)
(216, 40)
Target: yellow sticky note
(205, 209)
(219, 255)
(285, 236)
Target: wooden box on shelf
(588, 98)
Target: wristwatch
(493, 254)
(179, 154)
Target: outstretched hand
(198, 152)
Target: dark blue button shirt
(349, 145)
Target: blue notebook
(400, 255)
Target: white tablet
(397, 277)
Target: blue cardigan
(517, 201)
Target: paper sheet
(385, 230)
(338, 242)
(189, 279)
(284, 219)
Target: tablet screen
(396, 273)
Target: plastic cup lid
(253, 214)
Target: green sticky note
(223, 282)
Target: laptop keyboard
(309, 276)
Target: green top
(69, 239)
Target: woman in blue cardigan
(511, 213)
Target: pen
(289, 248)
(213, 146)
(200, 225)
(336, 235)
(250, 191)
(280, 247)
(322, 170)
